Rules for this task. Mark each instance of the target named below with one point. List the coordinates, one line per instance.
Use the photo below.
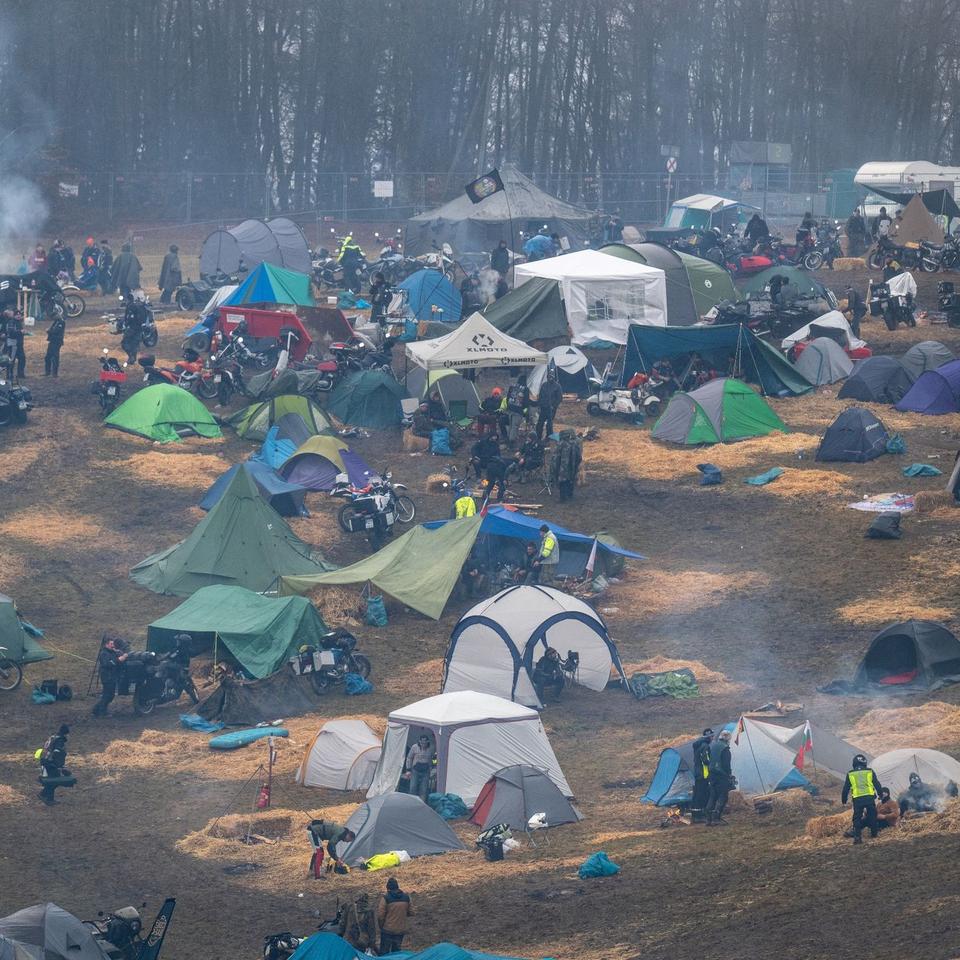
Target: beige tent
(917, 224)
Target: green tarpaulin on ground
(532, 311)
(420, 569)
(162, 412)
(260, 632)
(16, 642)
(241, 542)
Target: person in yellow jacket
(548, 556)
(350, 258)
(463, 504)
(862, 786)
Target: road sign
(669, 151)
(671, 164)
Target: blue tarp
(500, 522)
(759, 362)
(427, 288)
(286, 498)
(935, 392)
(328, 946)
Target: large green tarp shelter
(253, 422)
(420, 569)
(718, 412)
(17, 642)
(268, 284)
(367, 398)
(532, 311)
(261, 632)
(803, 280)
(754, 359)
(694, 285)
(241, 542)
(164, 413)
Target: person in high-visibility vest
(463, 504)
(862, 786)
(701, 770)
(548, 556)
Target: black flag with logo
(485, 186)
(150, 947)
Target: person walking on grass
(393, 914)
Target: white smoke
(487, 284)
(23, 214)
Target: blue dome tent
(430, 288)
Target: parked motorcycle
(116, 322)
(372, 509)
(608, 399)
(196, 293)
(336, 658)
(152, 679)
(893, 300)
(73, 302)
(226, 367)
(948, 302)
(16, 401)
(945, 256)
(121, 936)
(192, 374)
(359, 355)
(108, 387)
(908, 256)
(826, 246)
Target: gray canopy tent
(520, 207)
(54, 933)
(279, 241)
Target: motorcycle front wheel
(652, 409)
(875, 260)
(150, 338)
(11, 675)
(347, 511)
(406, 509)
(361, 665)
(74, 305)
(813, 260)
(184, 300)
(928, 266)
(206, 388)
(320, 681)
(594, 409)
(143, 705)
(890, 318)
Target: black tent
(919, 653)
(241, 702)
(856, 436)
(877, 379)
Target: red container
(266, 323)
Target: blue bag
(376, 615)
(711, 475)
(440, 442)
(597, 865)
(448, 805)
(896, 444)
(356, 686)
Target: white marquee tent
(496, 644)
(602, 295)
(475, 343)
(342, 756)
(894, 767)
(475, 735)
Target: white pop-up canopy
(475, 343)
(601, 298)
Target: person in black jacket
(721, 778)
(756, 230)
(53, 760)
(170, 274)
(701, 770)
(105, 268)
(500, 258)
(862, 785)
(110, 660)
(548, 402)
(51, 360)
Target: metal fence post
(266, 196)
(189, 197)
(110, 182)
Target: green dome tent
(253, 422)
(803, 280)
(165, 413)
(368, 398)
(694, 285)
(719, 411)
(241, 542)
(261, 632)
(16, 640)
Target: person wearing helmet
(721, 778)
(701, 770)
(862, 786)
(918, 797)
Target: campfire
(675, 818)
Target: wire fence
(219, 197)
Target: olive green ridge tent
(16, 642)
(367, 398)
(420, 569)
(253, 422)
(163, 412)
(261, 632)
(241, 542)
(719, 411)
(532, 311)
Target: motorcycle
(372, 509)
(608, 399)
(195, 293)
(108, 385)
(909, 256)
(359, 355)
(333, 661)
(826, 247)
(73, 302)
(893, 300)
(11, 673)
(120, 935)
(16, 401)
(116, 323)
(226, 366)
(945, 256)
(192, 374)
(152, 679)
(949, 303)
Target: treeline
(291, 89)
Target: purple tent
(314, 471)
(935, 392)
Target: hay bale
(438, 482)
(273, 824)
(792, 802)
(926, 501)
(737, 803)
(833, 825)
(849, 263)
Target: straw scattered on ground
(171, 468)
(832, 827)
(9, 797)
(809, 484)
(636, 455)
(51, 528)
(683, 591)
(28, 452)
(889, 608)
(933, 725)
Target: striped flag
(805, 746)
